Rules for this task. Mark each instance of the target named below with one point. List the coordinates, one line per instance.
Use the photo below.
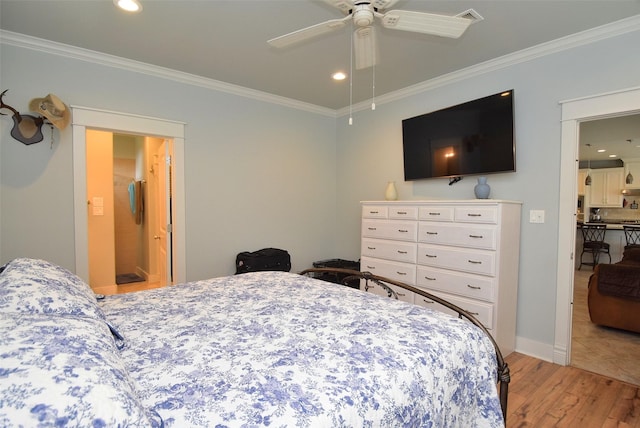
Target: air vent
(472, 15)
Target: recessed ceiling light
(601, 150)
(340, 75)
(128, 5)
(613, 156)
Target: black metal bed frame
(504, 376)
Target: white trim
(592, 35)
(573, 113)
(68, 51)
(84, 118)
(603, 32)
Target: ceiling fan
(363, 14)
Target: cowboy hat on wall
(53, 109)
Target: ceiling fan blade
(344, 5)
(308, 33)
(365, 48)
(427, 23)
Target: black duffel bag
(261, 260)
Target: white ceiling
(226, 40)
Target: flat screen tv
(472, 138)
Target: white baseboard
(147, 276)
(535, 349)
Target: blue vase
(482, 189)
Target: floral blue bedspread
(276, 349)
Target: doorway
(573, 113)
(127, 210)
(168, 132)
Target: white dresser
(465, 251)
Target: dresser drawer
(460, 235)
(388, 229)
(390, 250)
(476, 214)
(474, 261)
(375, 211)
(483, 312)
(403, 272)
(436, 213)
(468, 285)
(409, 213)
(372, 287)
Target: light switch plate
(536, 216)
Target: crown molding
(68, 51)
(582, 38)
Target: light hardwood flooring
(543, 394)
(125, 288)
(606, 351)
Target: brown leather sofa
(614, 293)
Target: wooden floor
(606, 351)
(125, 288)
(543, 394)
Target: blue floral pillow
(65, 371)
(38, 286)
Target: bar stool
(632, 235)
(593, 243)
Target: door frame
(619, 103)
(85, 117)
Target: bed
(273, 349)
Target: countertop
(612, 224)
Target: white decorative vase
(482, 189)
(391, 194)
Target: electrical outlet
(536, 216)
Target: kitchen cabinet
(606, 187)
(632, 166)
(582, 175)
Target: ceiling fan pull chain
(373, 85)
(351, 79)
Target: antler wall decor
(26, 128)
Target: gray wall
(259, 174)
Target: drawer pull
(475, 262)
(475, 314)
(372, 228)
(473, 287)
(432, 256)
(371, 267)
(428, 301)
(474, 215)
(371, 248)
(401, 273)
(373, 212)
(402, 213)
(429, 278)
(432, 233)
(402, 230)
(434, 213)
(402, 252)
(476, 236)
